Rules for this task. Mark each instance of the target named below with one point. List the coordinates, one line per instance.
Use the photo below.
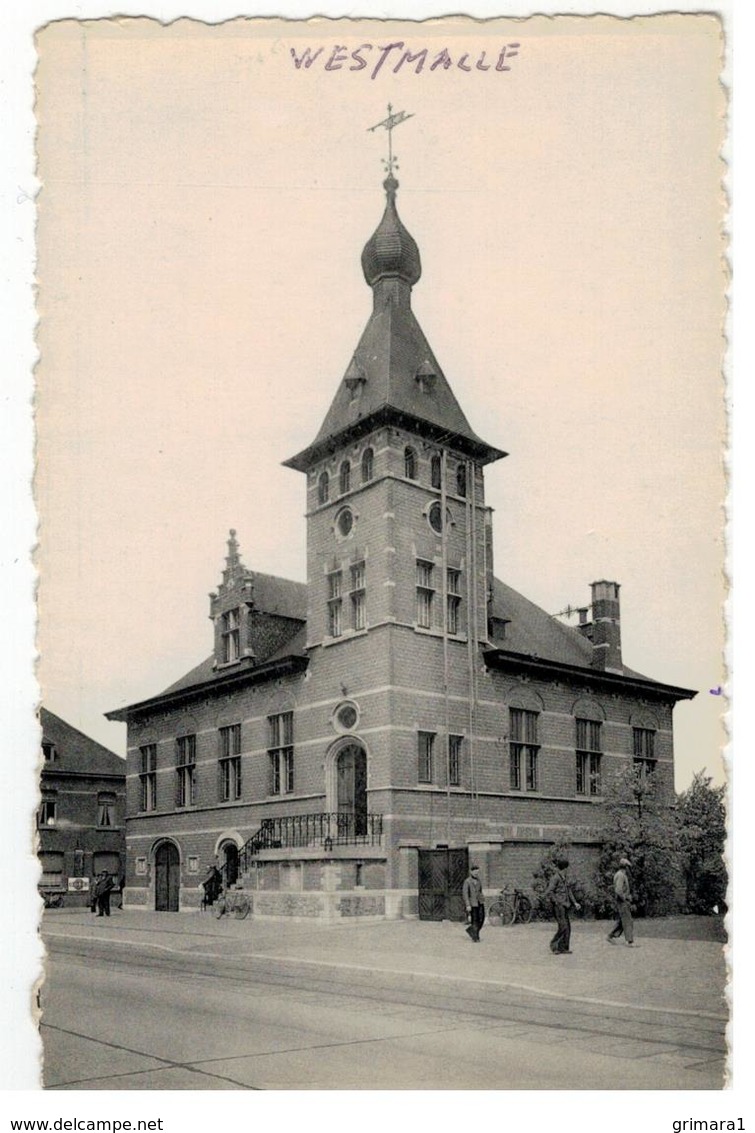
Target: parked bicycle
(233, 902)
(509, 906)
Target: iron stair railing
(309, 831)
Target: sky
(203, 210)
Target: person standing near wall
(474, 903)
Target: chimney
(606, 626)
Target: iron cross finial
(390, 124)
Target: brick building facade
(350, 736)
(81, 822)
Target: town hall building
(351, 742)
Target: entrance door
(231, 869)
(351, 773)
(441, 876)
(167, 878)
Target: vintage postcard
(380, 433)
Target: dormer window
(425, 377)
(323, 488)
(410, 463)
(230, 635)
(48, 751)
(345, 478)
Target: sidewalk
(661, 976)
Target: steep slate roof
(282, 596)
(380, 384)
(75, 752)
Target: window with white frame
(589, 756)
(453, 599)
(425, 753)
(48, 809)
(523, 749)
(186, 771)
(357, 594)
(230, 635)
(229, 762)
(148, 777)
(335, 603)
(281, 753)
(455, 747)
(425, 593)
(643, 743)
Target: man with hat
(471, 892)
(623, 896)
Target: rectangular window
(523, 749)
(148, 777)
(281, 753)
(453, 599)
(425, 746)
(358, 620)
(186, 771)
(425, 593)
(52, 870)
(589, 754)
(644, 750)
(105, 809)
(48, 811)
(454, 760)
(230, 635)
(335, 603)
(230, 762)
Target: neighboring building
(350, 741)
(82, 811)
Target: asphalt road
(131, 1018)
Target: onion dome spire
(391, 252)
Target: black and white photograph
(380, 480)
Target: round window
(345, 521)
(435, 516)
(346, 716)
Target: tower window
(229, 764)
(186, 771)
(345, 478)
(410, 463)
(589, 755)
(453, 599)
(435, 517)
(148, 777)
(523, 750)
(230, 635)
(435, 470)
(105, 809)
(281, 753)
(425, 748)
(344, 522)
(335, 603)
(368, 465)
(323, 488)
(454, 760)
(358, 603)
(425, 593)
(461, 479)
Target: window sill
(433, 632)
(347, 635)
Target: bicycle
(509, 906)
(233, 901)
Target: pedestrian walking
(474, 903)
(622, 892)
(211, 886)
(103, 887)
(562, 900)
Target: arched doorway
(230, 863)
(167, 878)
(351, 788)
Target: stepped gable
(76, 752)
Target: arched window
(435, 470)
(368, 461)
(345, 477)
(461, 479)
(323, 488)
(410, 463)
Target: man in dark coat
(474, 903)
(103, 887)
(562, 900)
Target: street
(184, 1011)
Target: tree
(639, 826)
(702, 830)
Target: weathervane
(390, 124)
